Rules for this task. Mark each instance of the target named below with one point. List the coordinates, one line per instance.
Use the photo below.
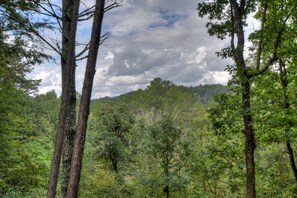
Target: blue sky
(149, 39)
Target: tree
(18, 15)
(170, 148)
(67, 117)
(115, 126)
(85, 101)
(70, 127)
(228, 19)
(65, 102)
(156, 92)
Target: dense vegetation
(165, 140)
(149, 143)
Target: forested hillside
(165, 140)
(204, 93)
(149, 143)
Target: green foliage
(275, 178)
(18, 49)
(113, 133)
(169, 146)
(46, 107)
(25, 145)
(103, 183)
(226, 114)
(181, 147)
(24, 132)
(15, 66)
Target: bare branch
(89, 12)
(86, 48)
(79, 56)
(104, 37)
(86, 12)
(47, 12)
(79, 59)
(87, 17)
(56, 16)
(113, 5)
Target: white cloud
(50, 81)
(149, 39)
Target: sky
(148, 39)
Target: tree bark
(114, 165)
(85, 101)
(292, 159)
(67, 8)
(250, 143)
(69, 137)
(52, 185)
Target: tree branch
(104, 37)
(87, 14)
(113, 5)
(275, 49)
(86, 48)
(260, 45)
(79, 56)
(32, 30)
(58, 18)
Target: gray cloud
(133, 60)
(149, 39)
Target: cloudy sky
(149, 39)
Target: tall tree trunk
(67, 8)
(69, 137)
(250, 144)
(292, 159)
(85, 101)
(52, 185)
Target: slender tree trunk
(250, 144)
(292, 159)
(85, 101)
(114, 165)
(67, 8)
(167, 162)
(167, 191)
(52, 185)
